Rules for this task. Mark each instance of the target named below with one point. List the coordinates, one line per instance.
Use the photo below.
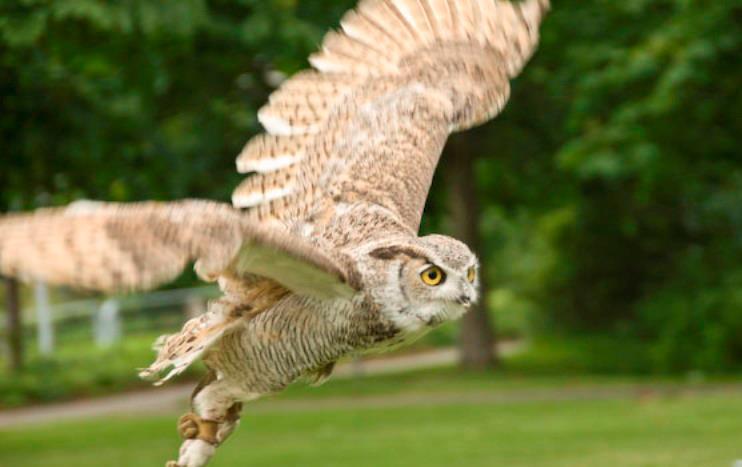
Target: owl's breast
(296, 337)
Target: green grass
(395, 421)
(79, 369)
(453, 380)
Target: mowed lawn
(431, 419)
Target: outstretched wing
(369, 123)
(122, 247)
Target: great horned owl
(318, 257)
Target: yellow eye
(433, 276)
(471, 275)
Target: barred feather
(454, 55)
(267, 153)
(262, 188)
(176, 352)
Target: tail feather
(176, 352)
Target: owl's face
(428, 283)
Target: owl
(318, 255)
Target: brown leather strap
(191, 426)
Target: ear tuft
(392, 252)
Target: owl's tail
(176, 352)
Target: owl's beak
(464, 300)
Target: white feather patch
(267, 165)
(278, 126)
(326, 65)
(246, 200)
(352, 31)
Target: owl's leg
(216, 413)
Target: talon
(172, 464)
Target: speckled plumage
(318, 257)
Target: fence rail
(108, 318)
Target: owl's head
(427, 281)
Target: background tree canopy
(610, 188)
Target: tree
(148, 96)
(477, 339)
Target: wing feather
(176, 352)
(387, 90)
(114, 247)
(267, 153)
(440, 14)
(364, 29)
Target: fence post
(44, 323)
(14, 326)
(194, 306)
(107, 323)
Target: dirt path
(174, 397)
(170, 399)
(151, 401)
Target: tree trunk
(477, 339)
(14, 325)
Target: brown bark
(477, 338)
(14, 325)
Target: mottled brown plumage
(319, 256)
(114, 247)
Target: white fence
(105, 315)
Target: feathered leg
(216, 414)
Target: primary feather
(388, 89)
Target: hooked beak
(464, 300)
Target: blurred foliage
(137, 99)
(580, 355)
(634, 228)
(611, 185)
(82, 370)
